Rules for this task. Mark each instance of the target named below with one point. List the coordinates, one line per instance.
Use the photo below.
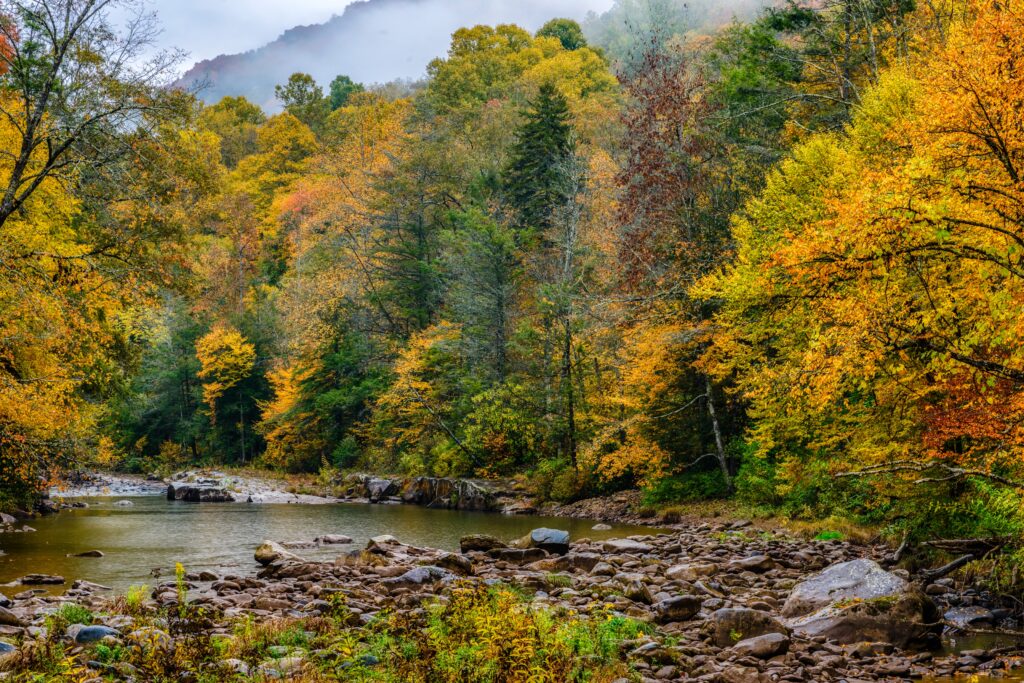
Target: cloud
(207, 28)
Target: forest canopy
(776, 258)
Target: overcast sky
(207, 28)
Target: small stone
(627, 546)
(762, 647)
(680, 608)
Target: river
(154, 533)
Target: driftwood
(939, 572)
(979, 547)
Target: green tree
(342, 88)
(304, 99)
(567, 31)
(534, 177)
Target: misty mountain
(373, 41)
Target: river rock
(552, 540)
(858, 600)
(680, 608)
(480, 542)
(755, 563)
(5, 601)
(762, 647)
(198, 493)
(692, 571)
(860, 579)
(453, 562)
(729, 625)
(627, 546)
(41, 580)
(9, 618)
(93, 634)
(601, 526)
(88, 553)
(333, 539)
(419, 576)
(517, 555)
(124, 504)
(6, 648)
(270, 551)
(963, 617)
(7, 519)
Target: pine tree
(544, 143)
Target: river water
(154, 533)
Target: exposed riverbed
(154, 533)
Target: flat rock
(962, 617)
(333, 539)
(762, 647)
(41, 580)
(480, 542)
(692, 571)
(626, 546)
(755, 563)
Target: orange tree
(873, 311)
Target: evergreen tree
(544, 143)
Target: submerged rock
(269, 551)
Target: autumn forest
(775, 259)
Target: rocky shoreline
(727, 603)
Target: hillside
(373, 41)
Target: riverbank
(720, 602)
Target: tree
(533, 182)
(80, 93)
(236, 121)
(342, 89)
(876, 289)
(566, 31)
(304, 99)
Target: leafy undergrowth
(477, 634)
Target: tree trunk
(723, 461)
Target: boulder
(762, 647)
(626, 546)
(192, 492)
(93, 634)
(857, 601)
(860, 579)
(554, 541)
(9, 618)
(269, 551)
(480, 542)
(453, 562)
(904, 619)
(680, 608)
(729, 625)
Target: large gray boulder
(854, 580)
(859, 601)
(552, 540)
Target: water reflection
(154, 533)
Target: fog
(373, 41)
(377, 41)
